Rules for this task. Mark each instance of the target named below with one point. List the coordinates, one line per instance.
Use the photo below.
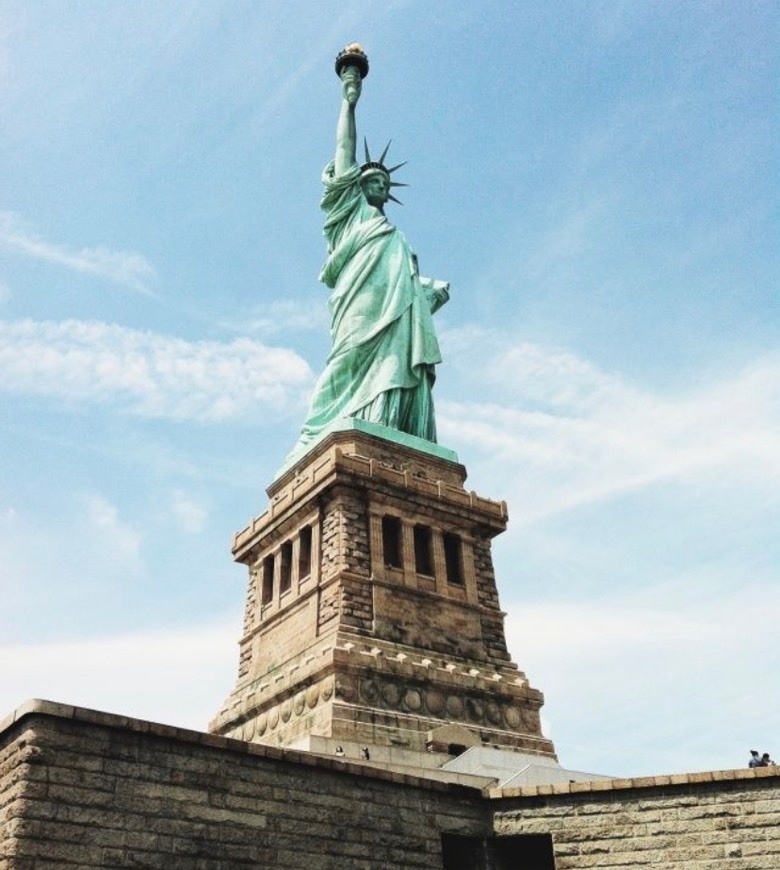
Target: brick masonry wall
(487, 594)
(331, 544)
(345, 544)
(722, 820)
(354, 529)
(345, 551)
(329, 605)
(17, 786)
(86, 789)
(250, 619)
(357, 606)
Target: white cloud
(91, 552)
(307, 313)
(189, 514)
(574, 434)
(114, 535)
(121, 267)
(179, 677)
(647, 615)
(677, 680)
(147, 374)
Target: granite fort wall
(720, 820)
(85, 789)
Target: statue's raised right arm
(346, 133)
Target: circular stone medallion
(435, 702)
(312, 696)
(369, 691)
(286, 710)
(391, 694)
(454, 706)
(262, 724)
(513, 717)
(474, 709)
(413, 700)
(273, 717)
(345, 688)
(299, 702)
(493, 713)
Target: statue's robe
(381, 365)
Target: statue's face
(375, 189)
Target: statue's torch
(351, 56)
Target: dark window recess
(453, 558)
(268, 580)
(285, 572)
(463, 853)
(391, 542)
(304, 552)
(423, 555)
(518, 852)
(529, 851)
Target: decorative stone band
(373, 686)
(349, 454)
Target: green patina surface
(381, 367)
(354, 424)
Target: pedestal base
(372, 612)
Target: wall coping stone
(86, 716)
(641, 782)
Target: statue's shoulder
(343, 180)
(342, 196)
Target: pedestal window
(392, 547)
(453, 558)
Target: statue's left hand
(437, 293)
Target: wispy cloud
(308, 313)
(613, 661)
(189, 514)
(148, 374)
(199, 661)
(115, 535)
(127, 268)
(575, 434)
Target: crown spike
(371, 166)
(384, 153)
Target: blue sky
(598, 182)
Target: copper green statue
(381, 367)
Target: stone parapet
(727, 819)
(82, 788)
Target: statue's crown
(372, 166)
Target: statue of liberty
(381, 367)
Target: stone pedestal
(372, 612)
